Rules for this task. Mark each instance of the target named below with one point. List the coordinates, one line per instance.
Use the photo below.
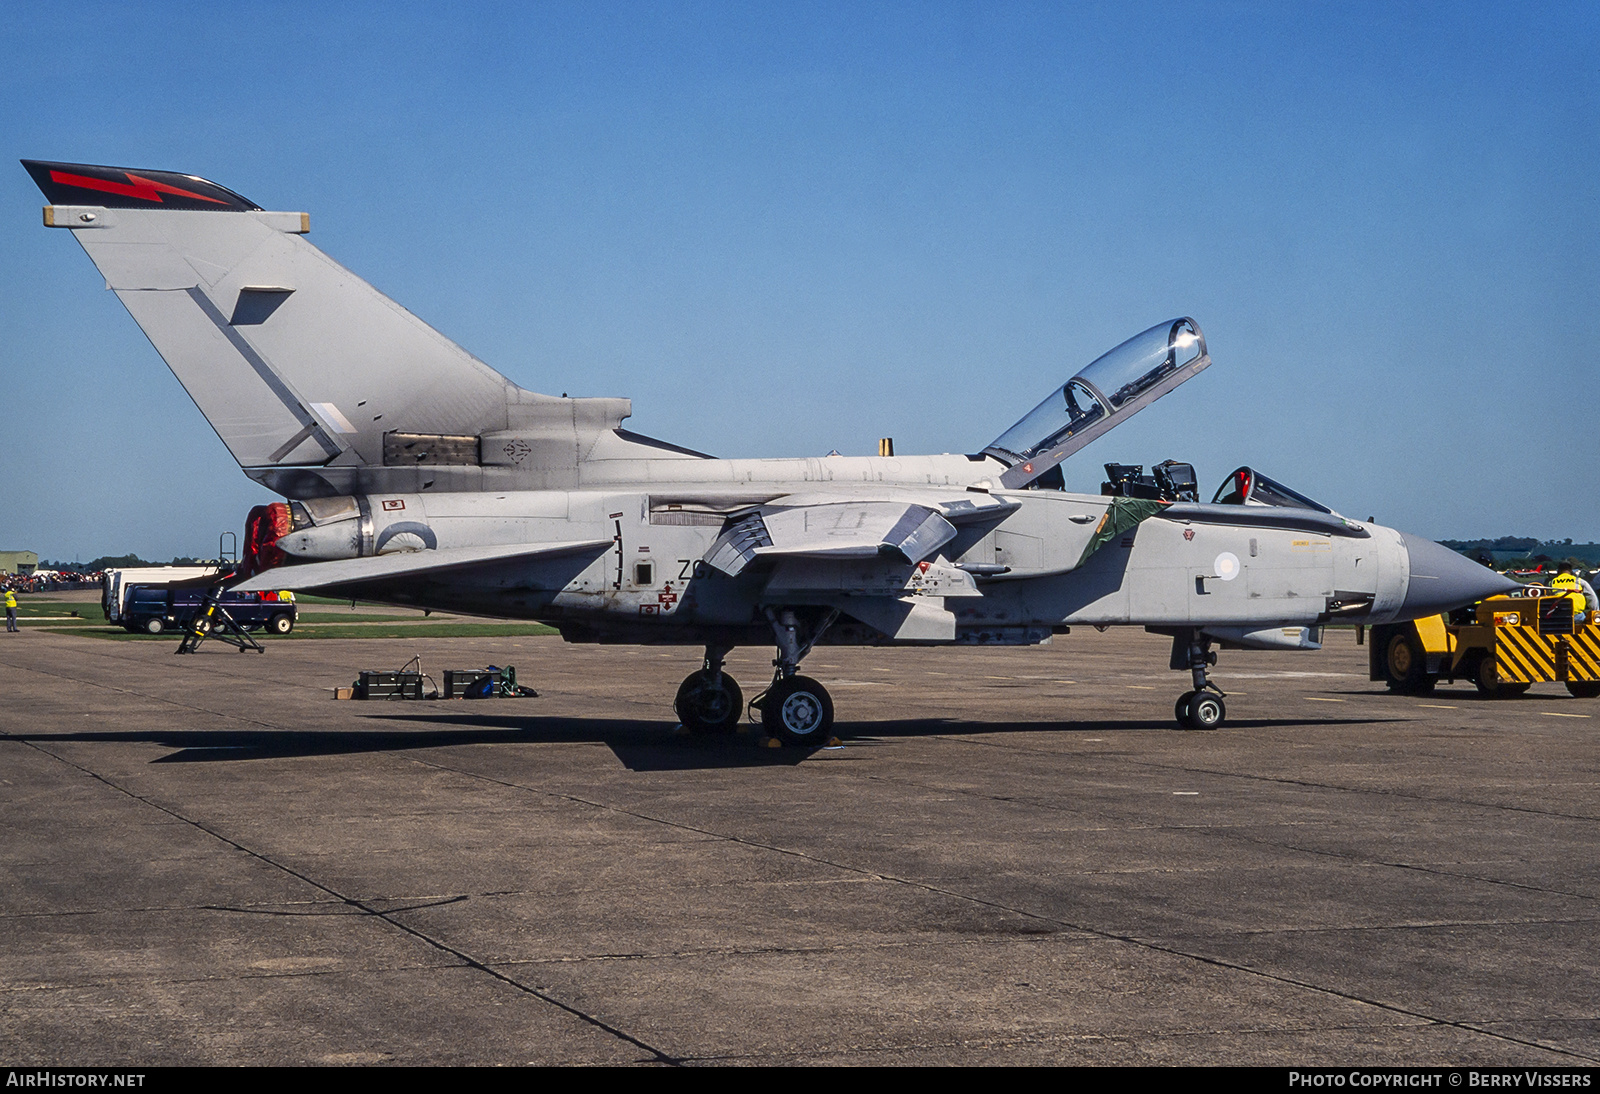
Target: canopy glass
(1115, 386)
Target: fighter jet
(415, 474)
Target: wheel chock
(771, 742)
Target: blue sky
(787, 229)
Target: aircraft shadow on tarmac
(640, 745)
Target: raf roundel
(1227, 565)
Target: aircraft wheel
(1584, 689)
(1180, 709)
(280, 624)
(798, 711)
(203, 625)
(154, 626)
(704, 707)
(1405, 665)
(1206, 711)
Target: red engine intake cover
(265, 525)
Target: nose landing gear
(1202, 708)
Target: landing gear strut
(709, 701)
(1203, 707)
(796, 709)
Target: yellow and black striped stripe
(1523, 655)
(1583, 654)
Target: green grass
(26, 610)
(399, 630)
(424, 630)
(319, 622)
(348, 616)
(307, 598)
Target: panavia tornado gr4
(416, 474)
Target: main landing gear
(709, 701)
(795, 709)
(798, 711)
(1203, 707)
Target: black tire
(201, 625)
(154, 625)
(1207, 711)
(280, 624)
(1486, 678)
(1584, 689)
(1180, 709)
(704, 707)
(1405, 665)
(798, 711)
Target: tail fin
(295, 361)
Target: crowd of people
(49, 581)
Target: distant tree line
(116, 562)
(1517, 552)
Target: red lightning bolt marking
(144, 189)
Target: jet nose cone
(1442, 580)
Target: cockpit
(1173, 482)
(1113, 388)
(1248, 486)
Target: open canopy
(1113, 388)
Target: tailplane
(317, 383)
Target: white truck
(115, 584)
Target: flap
(832, 530)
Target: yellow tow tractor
(1503, 645)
